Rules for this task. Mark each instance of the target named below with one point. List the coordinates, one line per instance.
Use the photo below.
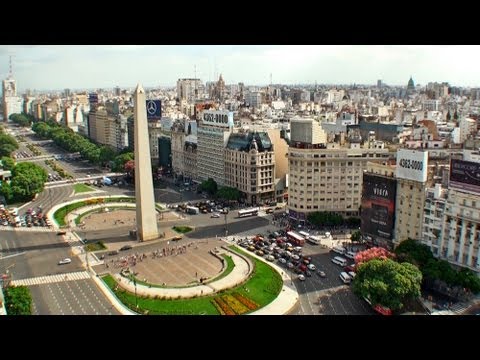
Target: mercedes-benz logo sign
(151, 107)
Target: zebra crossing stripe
(49, 279)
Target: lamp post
(226, 230)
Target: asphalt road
(81, 297)
(28, 255)
(329, 295)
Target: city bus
(248, 212)
(304, 234)
(295, 238)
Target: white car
(301, 277)
(215, 215)
(65, 261)
(311, 267)
(270, 258)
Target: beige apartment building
(328, 177)
(411, 173)
(250, 166)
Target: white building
(460, 243)
(307, 131)
(431, 105)
(435, 200)
(467, 127)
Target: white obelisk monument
(146, 215)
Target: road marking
(50, 279)
(9, 256)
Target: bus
(193, 210)
(295, 238)
(304, 234)
(248, 212)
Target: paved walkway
(240, 272)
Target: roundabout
(201, 276)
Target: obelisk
(146, 215)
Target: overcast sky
(77, 67)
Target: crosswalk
(459, 308)
(49, 279)
(28, 229)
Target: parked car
(125, 247)
(321, 273)
(301, 277)
(215, 215)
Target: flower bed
(251, 305)
(235, 305)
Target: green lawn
(182, 229)
(265, 284)
(80, 188)
(263, 287)
(228, 270)
(60, 214)
(99, 245)
(196, 306)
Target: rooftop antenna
(10, 73)
(270, 79)
(195, 80)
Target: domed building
(410, 85)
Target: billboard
(412, 164)
(465, 176)
(223, 118)
(191, 127)
(93, 98)
(154, 109)
(378, 206)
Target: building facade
(328, 178)
(250, 166)
(212, 136)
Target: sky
(52, 67)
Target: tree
(8, 163)
(324, 218)
(107, 154)
(120, 161)
(356, 235)
(28, 179)
(210, 186)
(387, 282)
(20, 119)
(18, 300)
(414, 252)
(373, 253)
(228, 193)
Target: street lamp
(226, 230)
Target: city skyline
(58, 67)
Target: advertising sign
(154, 109)
(378, 206)
(93, 98)
(217, 118)
(412, 164)
(191, 127)
(465, 176)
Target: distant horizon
(55, 68)
(147, 87)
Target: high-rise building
(213, 132)
(189, 90)
(328, 177)
(411, 173)
(12, 104)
